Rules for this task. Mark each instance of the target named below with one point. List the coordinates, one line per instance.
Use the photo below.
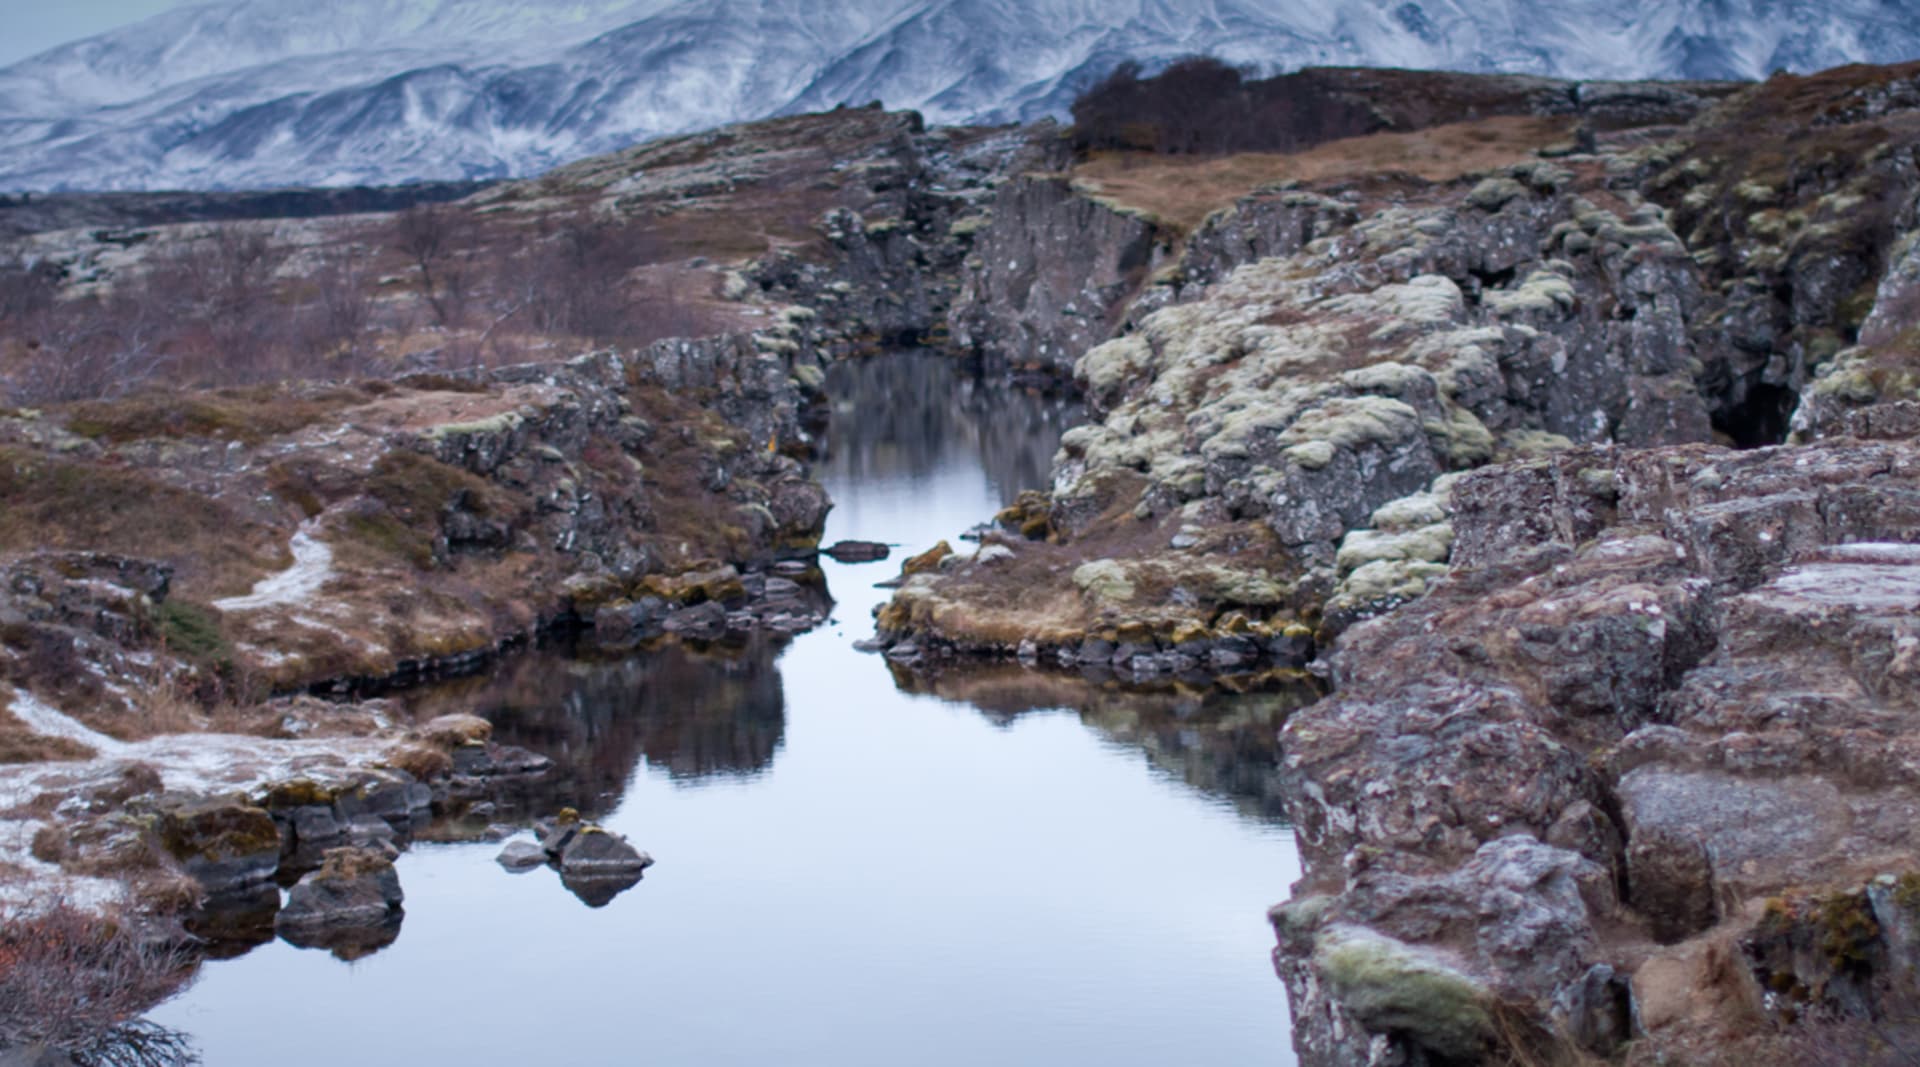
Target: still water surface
(848, 874)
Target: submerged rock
(857, 551)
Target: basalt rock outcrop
(1675, 677)
(1286, 441)
(1614, 761)
(501, 502)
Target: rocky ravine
(1615, 761)
(1487, 411)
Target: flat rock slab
(521, 856)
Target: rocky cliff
(1584, 481)
(313, 533)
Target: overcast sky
(28, 27)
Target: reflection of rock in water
(597, 891)
(231, 925)
(1220, 742)
(694, 714)
(903, 414)
(347, 943)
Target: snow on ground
(207, 764)
(312, 566)
(48, 721)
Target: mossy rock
(299, 793)
(224, 844)
(1395, 988)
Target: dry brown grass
(59, 503)
(1184, 190)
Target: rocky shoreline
(1612, 759)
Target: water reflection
(693, 713)
(1222, 743)
(909, 416)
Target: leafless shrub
(1200, 105)
(342, 312)
(28, 284)
(84, 349)
(218, 293)
(439, 242)
(79, 982)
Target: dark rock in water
(224, 844)
(346, 943)
(858, 551)
(315, 825)
(594, 852)
(628, 619)
(391, 794)
(1096, 650)
(521, 856)
(352, 900)
(708, 619)
(903, 652)
(870, 644)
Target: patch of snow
(312, 567)
(48, 721)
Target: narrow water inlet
(847, 874)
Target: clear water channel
(1020, 869)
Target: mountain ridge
(268, 92)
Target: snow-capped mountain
(272, 92)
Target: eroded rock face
(1284, 444)
(1053, 275)
(1674, 681)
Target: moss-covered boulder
(226, 844)
(1391, 987)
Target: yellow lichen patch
(927, 561)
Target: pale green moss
(1495, 193)
(1105, 579)
(1543, 293)
(1410, 512)
(970, 225)
(1393, 987)
(810, 377)
(1313, 456)
(1462, 437)
(503, 423)
(1354, 423)
(1431, 543)
(1527, 444)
